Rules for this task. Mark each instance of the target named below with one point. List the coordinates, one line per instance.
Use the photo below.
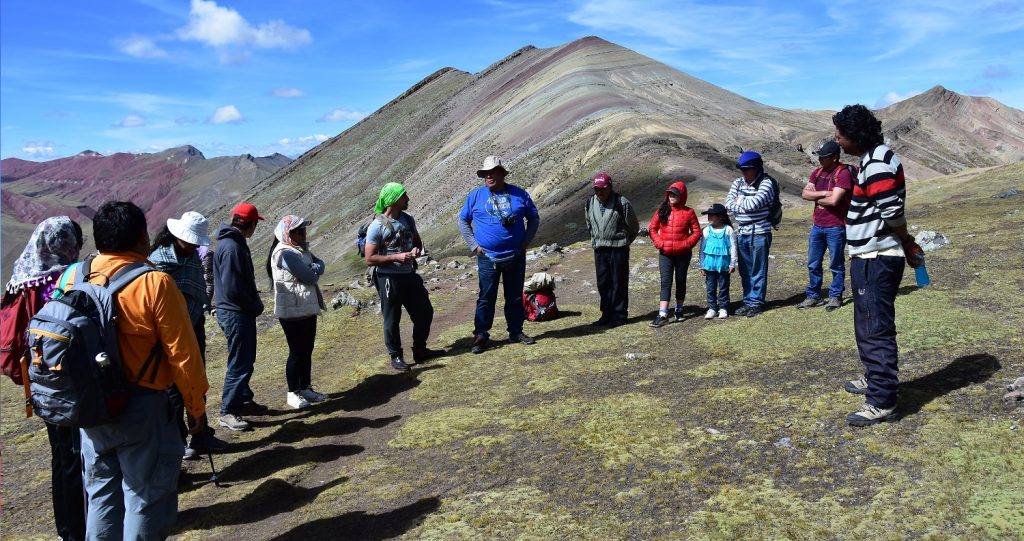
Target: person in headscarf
(294, 272)
(392, 245)
(54, 246)
(175, 251)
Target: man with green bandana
(392, 246)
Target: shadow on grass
(365, 526)
(272, 497)
(960, 373)
(264, 463)
(297, 430)
(374, 391)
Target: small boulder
(344, 298)
(931, 240)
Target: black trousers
(174, 395)
(66, 481)
(404, 290)
(673, 266)
(301, 336)
(875, 283)
(612, 269)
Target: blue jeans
(717, 284)
(833, 238)
(512, 274)
(753, 255)
(875, 283)
(240, 330)
(131, 471)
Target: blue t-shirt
(484, 210)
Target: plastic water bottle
(921, 273)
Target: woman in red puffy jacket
(675, 231)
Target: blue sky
(259, 77)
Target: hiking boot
(398, 363)
(231, 421)
(869, 415)
(204, 445)
(711, 314)
(833, 303)
(753, 311)
(857, 386)
(809, 302)
(742, 310)
(523, 339)
(252, 408)
(190, 454)
(723, 313)
(312, 396)
(422, 354)
(604, 320)
(479, 344)
(679, 316)
(297, 401)
(616, 323)
(659, 321)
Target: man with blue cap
(750, 200)
(392, 246)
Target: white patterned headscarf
(285, 226)
(54, 245)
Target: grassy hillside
(699, 430)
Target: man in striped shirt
(749, 200)
(876, 233)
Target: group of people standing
(128, 468)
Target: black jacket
(234, 279)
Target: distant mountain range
(164, 184)
(556, 116)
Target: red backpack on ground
(540, 305)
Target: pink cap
(602, 180)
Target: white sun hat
(191, 228)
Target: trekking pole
(213, 477)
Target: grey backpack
(76, 376)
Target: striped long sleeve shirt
(751, 206)
(877, 206)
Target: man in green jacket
(613, 226)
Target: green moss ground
(699, 430)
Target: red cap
(247, 211)
(602, 180)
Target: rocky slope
(559, 115)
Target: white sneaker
(710, 314)
(723, 313)
(296, 401)
(312, 396)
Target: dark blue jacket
(234, 279)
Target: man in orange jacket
(131, 465)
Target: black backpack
(76, 376)
(775, 210)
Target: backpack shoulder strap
(126, 274)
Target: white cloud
(893, 97)
(139, 46)
(305, 140)
(221, 27)
(228, 114)
(131, 121)
(287, 93)
(339, 115)
(38, 148)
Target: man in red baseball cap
(613, 227)
(238, 303)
